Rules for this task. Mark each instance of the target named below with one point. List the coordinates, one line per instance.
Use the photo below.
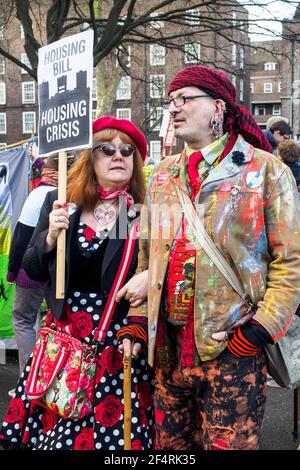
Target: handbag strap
(102, 328)
(205, 242)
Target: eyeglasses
(109, 150)
(180, 101)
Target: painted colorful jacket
(251, 210)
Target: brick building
(151, 66)
(291, 72)
(265, 80)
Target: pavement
(278, 421)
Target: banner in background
(14, 164)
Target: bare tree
(119, 25)
(126, 22)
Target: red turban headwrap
(215, 83)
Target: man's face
(192, 119)
(280, 137)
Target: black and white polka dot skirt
(27, 424)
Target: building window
(94, 114)
(124, 113)
(252, 87)
(29, 122)
(157, 86)
(94, 90)
(233, 56)
(2, 93)
(156, 24)
(270, 65)
(156, 118)
(2, 123)
(22, 32)
(155, 150)
(193, 16)
(28, 92)
(233, 79)
(234, 18)
(279, 87)
(276, 109)
(191, 53)
(124, 89)
(1, 32)
(25, 61)
(157, 54)
(259, 110)
(3, 144)
(268, 87)
(241, 90)
(2, 64)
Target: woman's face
(113, 172)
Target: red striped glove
(136, 331)
(248, 339)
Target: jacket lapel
(227, 168)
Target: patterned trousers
(218, 405)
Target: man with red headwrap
(211, 386)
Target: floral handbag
(62, 372)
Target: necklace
(105, 214)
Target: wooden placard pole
(61, 241)
(127, 402)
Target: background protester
(103, 184)
(28, 293)
(289, 152)
(278, 132)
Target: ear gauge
(216, 128)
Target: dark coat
(41, 266)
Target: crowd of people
(198, 367)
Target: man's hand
(135, 290)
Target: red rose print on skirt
(136, 445)
(82, 323)
(16, 411)
(111, 359)
(84, 440)
(48, 420)
(109, 411)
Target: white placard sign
(65, 75)
(167, 130)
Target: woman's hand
(133, 337)
(135, 290)
(58, 219)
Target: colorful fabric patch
(254, 179)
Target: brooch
(132, 213)
(234, 198)
(238, 158)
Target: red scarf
(121, 192)
(49, 177)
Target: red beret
(123, 125)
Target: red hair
(82, 181)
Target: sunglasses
(109, 150)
